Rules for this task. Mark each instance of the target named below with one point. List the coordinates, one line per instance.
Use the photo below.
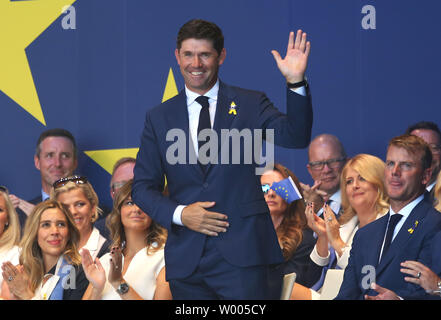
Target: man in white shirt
(55, 157)
(221, 239)
(327, 158)
(405, 233)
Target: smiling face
(79, 206)
(276, 204)
(199, 63)
(53, 234)
(55, 161)
(405, 178)
(133, 218)
(361, 194)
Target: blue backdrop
(374, 69)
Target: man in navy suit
(221, 240)
(405, 233)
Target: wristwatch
(123, 288)
(297, 84)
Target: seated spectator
(50, 265)
(295, 238)
(9, 230)
(56, 157)
(363, 200)
(135, 267)
(437, 193)
(121, 173)
(78, 195)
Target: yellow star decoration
(107, 158)
(21, 22)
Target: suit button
(206, 185)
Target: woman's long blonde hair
(155, 234)
(31, 256)
(11, 232)
(371, 168)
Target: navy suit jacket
(413, 242)
(250, 238)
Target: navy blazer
(413, 242)
(250, 238)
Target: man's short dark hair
(201, 29)
(427, 125)
(57, 132)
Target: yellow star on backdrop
(107, 158)
(21, 22)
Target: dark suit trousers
(215, 279)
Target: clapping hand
(115, 271)
(315, 223)
(293, 66)
(314, 194)
(94, 270)
(17, 280)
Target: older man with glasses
(327, 158)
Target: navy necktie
(393, 220)
(204, 118)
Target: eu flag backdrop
(94, 67)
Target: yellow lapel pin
(232, 108)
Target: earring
(6, 225)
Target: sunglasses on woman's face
(75, 179)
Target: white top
(95, 242)
(141, 274)
(10, 255)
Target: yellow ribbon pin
(232, 108)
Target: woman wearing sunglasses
(78, 196)
(50, 265)
(135, 267)
(9, 230)
(295, 238)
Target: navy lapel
(375, 253)
(406, 232)
(178, 119)
(222, 119)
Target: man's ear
(177, 56)
(37, 162)
(427, 174)
(222, 56)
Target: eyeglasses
(265, 188)
(332, 163)
(4, 189)
(435, 148)
(63, 181)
